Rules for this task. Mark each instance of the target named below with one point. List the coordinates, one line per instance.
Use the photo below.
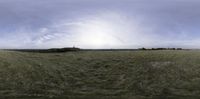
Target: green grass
(101, 74)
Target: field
(100, 75)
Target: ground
(101, 75)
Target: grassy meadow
(101, 75)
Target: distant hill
(52, 50)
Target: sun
(96, 33)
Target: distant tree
(179, 48)
(143, 48)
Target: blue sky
(99, 23)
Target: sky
(99, 23)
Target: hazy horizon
(99, 23)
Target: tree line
(160, 48)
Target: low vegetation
(101, 74)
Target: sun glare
(96, 33)
(103, 30)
